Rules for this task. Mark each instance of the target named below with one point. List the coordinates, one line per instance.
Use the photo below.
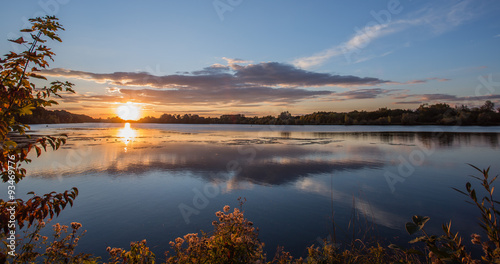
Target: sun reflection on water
(127, 134)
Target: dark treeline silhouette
(42, 116)
(437, 114)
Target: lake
(161, 181)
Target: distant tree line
(41, 115)
(437, 114)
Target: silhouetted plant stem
(30, 51)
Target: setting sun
(128, 111)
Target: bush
(234, 240)
(59, 249)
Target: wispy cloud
(408, 102)
(461, 12)
(233, 84)
(449, 98)
(439, 20)
(424, 80)
(439, 79)
(360, 40)
(373, 57)
(236, 61)
(363, 94)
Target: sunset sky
(264, 57)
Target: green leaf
(26, 110)
(38, 151)
(411, 228)
(10, 144)
(34, 75)
(51, 143)
(475, 167)
(473, 195)
(468, 186)
(424, 220)
(418, 239)
(459, 191)
(420, 220)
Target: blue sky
(264, 57)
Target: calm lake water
(161, 181)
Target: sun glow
(128, 111)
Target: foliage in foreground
(18, 97)
(60, 248)
(235, 240)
